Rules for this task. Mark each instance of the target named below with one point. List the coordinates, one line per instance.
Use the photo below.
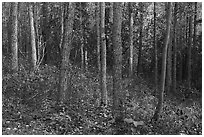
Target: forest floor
(29, 107)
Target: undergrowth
(29, 107)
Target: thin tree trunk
(65, 74)
(131, 39)
(117, 74)
(140, 39)
(86, 59)
(111, 13)
(14, 36)
(62, 26)
(32, 31)
(45, 31)
(169, 66)
(175, 49)
(155, 52)
(163, 73)
(103, 55)
(189, 51)
(82, 39)
(98, 36)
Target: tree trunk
(174, 49)
(189, 50)
(131, 39)
(111, 13)
(169, 63)
(163, 73)
(65, 69)
(155, 52)
(117, 74)
(14, 36)
(32, 36)
(98, 36)
(45, 31)
(62, 26)
(82, 39)
(103, 55)
(140, 39)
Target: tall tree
(45, 30)
(174, 47)
(65, 73)
(140, 39)
(62, 26)
(117, 67)
(169, 62)
(32, 31)
(155, 51)
(131, 38)
(14, 36)
(103, 54)
(98, 36)
(82, 38)
(111, 13)
(163, 73)
(189, 47)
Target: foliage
(29, 107)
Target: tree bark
(14, 36)
(98, 36)
(32, 31)
(131, 39)
(174, 49)
(62, 26)
(189, 49)
(163, 73)
(65, 69)
(82, 39)
(111, 13)
(45, 31)
(104, 95)
(155, 52)
(140, 39)
(117, 46)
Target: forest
(101, 68)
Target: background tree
(189, 46)
(65, 73)
(117, 74)
(14, 35)
(163, 75)
(33, 42)
(131, 38)
(98, 36)
(103, 54)
(155, 50)
(140, 40)
(174, 47)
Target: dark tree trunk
(175, 49)
(140, 40)
(104, 95)
(117, 74)
(155, 52)
(189, 51)
(163, 73)
(65, 74)
(98, 36)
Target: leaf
(138, 123)
(128, 120)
